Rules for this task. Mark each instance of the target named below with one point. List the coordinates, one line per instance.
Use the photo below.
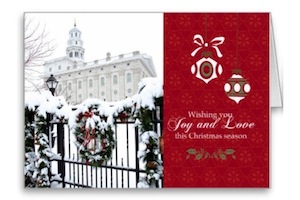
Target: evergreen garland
(149, 155)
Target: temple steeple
(75, 48)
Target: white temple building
(112, 78)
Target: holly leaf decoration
(198, 156)
(192, 151)
(203, 154)
(229, 151)
(223, 156)
(206, 155)
(215, 156)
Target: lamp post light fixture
(52, 84)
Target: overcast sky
(117, 33)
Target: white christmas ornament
(237, 87)
(206, 68)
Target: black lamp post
(52, 84)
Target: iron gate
(122, 171)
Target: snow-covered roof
(144, 58)
(74, 29)
(65, 58)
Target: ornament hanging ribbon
(90, 123)
(214, 43)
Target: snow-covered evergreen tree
(30, 156)
(42, 172)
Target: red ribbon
(88, 114)
(122, 116)
(103, 144)
(88, 137)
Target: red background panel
(246, 46)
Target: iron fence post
(47, 132)
(137, 162)
(61, 151)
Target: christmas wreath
(94, 137)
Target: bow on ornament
(214, 43)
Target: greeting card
(181, 100)
(216, 99)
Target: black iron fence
(124, 170)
